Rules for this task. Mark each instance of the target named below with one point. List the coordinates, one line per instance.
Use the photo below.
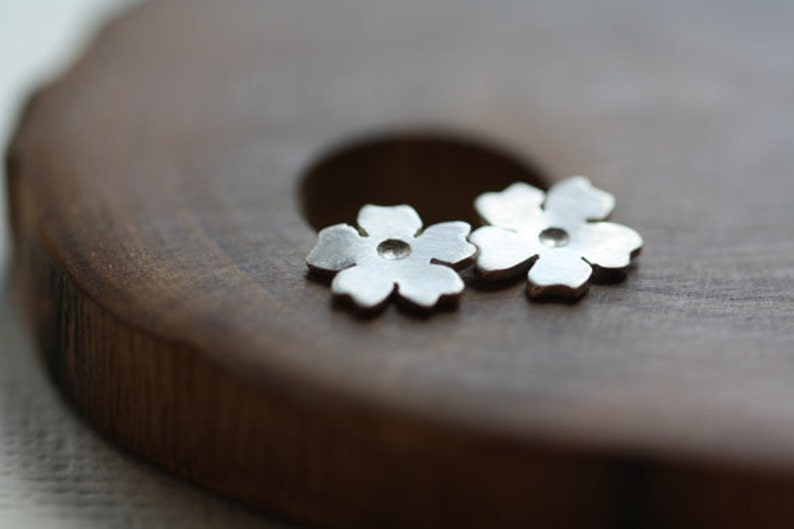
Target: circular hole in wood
(439, 175)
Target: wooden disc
(166, 192)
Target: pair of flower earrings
(560, 237)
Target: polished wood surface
(167, 190)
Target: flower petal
(337, 248)
(367, 286)
(445, 243)
(576, 198)
(559, 273)
(424, 285)
(513, 208)
(503, 253)
(389, 222)
(607, 245)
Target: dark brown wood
(166, 192)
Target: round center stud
(554, 237)
(394, 249)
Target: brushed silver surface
(559, 236)
(390, 253)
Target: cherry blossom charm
(390, 253)
(560, 236)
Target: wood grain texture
(164, 195)
(55, 472)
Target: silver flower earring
(390, 253)
(560, 236)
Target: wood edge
(561, 488)
(255, 445)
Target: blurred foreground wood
(166, 191)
